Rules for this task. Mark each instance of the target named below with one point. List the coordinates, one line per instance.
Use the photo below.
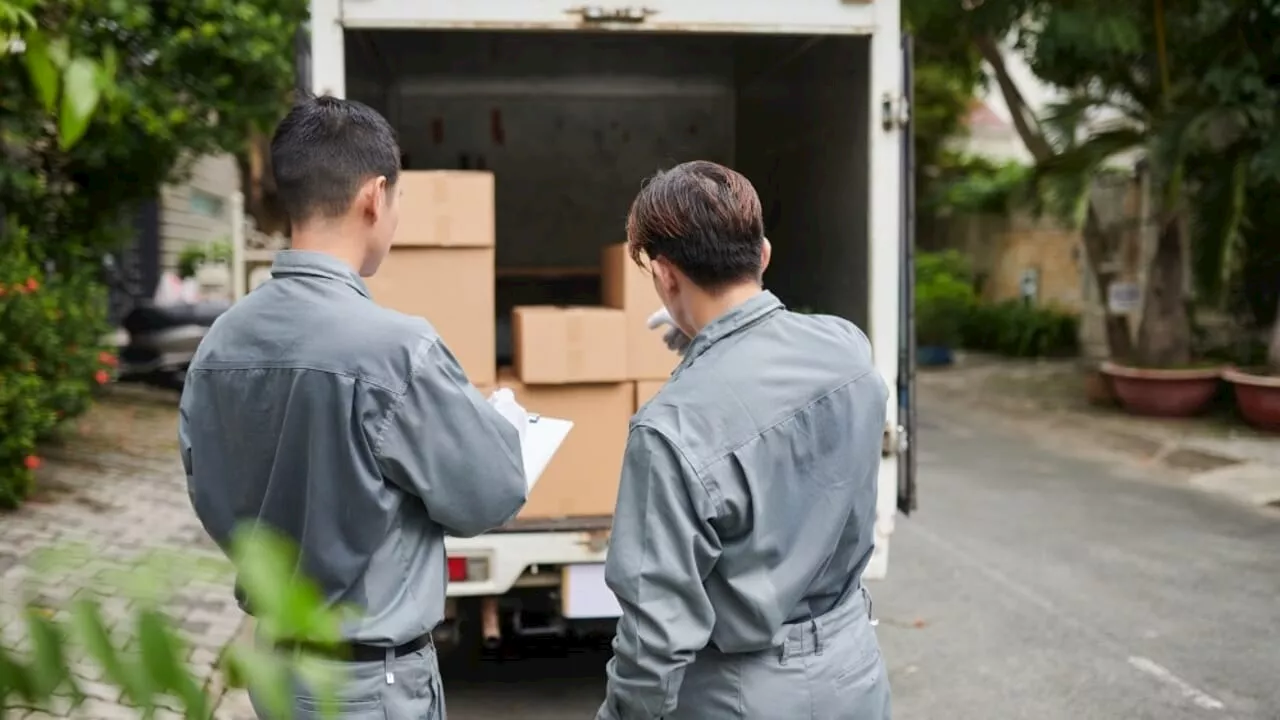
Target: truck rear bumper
(523, 558)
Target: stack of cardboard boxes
(441, 264)
(592, 365)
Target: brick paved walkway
(114, 495)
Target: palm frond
(1087, 156)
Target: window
(206, 204)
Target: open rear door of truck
(907, 323)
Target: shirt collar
(317, 264)
(739, 318)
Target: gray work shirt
(351, 429)
(747, 499)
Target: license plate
(584, 595)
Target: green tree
(191, 77)
(983, 25)
(947, 71)
(1236, 171)
(1182, 80)
(68, 86)
(1190, 80)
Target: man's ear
(766, 253)
(664, 274)
(372, 198)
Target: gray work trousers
(828, 668)
(413, 693)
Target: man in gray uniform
(346, 426)
(748, 494)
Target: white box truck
(571, 106)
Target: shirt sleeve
(444, 443)
(660, 553)
(210, 508)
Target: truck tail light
(463, 568)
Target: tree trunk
(259, 185)
(1024, 120)
(1273, 348)
(1164, 336)
(1098, 248)
(1099, 244)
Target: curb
(1251, 483)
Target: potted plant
(195, 256)
(944, 299)
(1257, 390)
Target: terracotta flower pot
(1163, 393)
(1097, 388)
(1257, 397)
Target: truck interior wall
(802, 140)
(570, 124)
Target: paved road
(1034, 583)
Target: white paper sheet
(542, 439)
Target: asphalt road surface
(1034, 583)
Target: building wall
(198, 210)
(1004, 249)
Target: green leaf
(60, 51)
(16, 679)
(107, 70)
(81, 88)
(41, 70)
(91, 631)
(286, 604)
(49, 666)
(268, 676)
(322, 680)
(163, 658)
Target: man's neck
(714, 306)
(328, 239)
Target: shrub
(1016, 329)
(51, 358)
(944, 298)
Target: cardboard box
(582, 479)
(453, 289)
(645, 390)
(446, 208)
(555, 345)
(627, 287)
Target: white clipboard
(542, 439)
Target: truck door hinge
(895, 441)
(895, 112)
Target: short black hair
(702, 217)
(324, 150)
